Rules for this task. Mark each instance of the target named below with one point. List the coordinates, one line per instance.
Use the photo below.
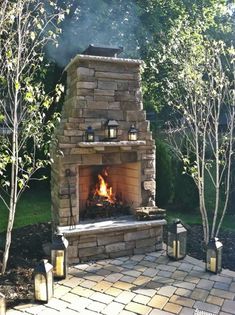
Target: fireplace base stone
(112, 238)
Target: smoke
(103, 22)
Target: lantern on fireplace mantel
(43, 281)
(2, 304)
(111, 129)
(59, 256)
(214, 255)
(90, 134)
(132, 133)
(177, 240)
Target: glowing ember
(103, 190)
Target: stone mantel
(111, 144)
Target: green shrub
(164, 175)
(185, 190)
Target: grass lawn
(194, 217)
(34, 207)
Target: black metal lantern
(2, 304)
(90, 134)
(43, 281)
(111, 129)
(214, 255)
(59, 256)
(132, 133)
(177, 240)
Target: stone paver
(229, 306)
(173, 308)
(96, 306)
(159, 312)
(187, 311)
(223, 294)
(232, 287)
(167, 290)
(125, 297)
(142, 299)
(207, 307)
(205, 284)
(80, 303)
(158, 301)
(183, 292)
(113, 308)
(182, 300)
(138, 308)
(101, 297)
(199, 294)
(215, 300)
(139, 285)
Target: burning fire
(103, 190)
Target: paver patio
(141, 284)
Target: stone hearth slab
(122, 223)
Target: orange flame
(103, 189)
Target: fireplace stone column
(100, 89)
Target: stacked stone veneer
(113, 240)
(98, 89)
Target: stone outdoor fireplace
(100, 89)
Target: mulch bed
(27, 249)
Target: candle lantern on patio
(43, 281)
(214, 255)
(177, 240)
(111, 129)
(90, 134)
(132, 133)
(2, 304)
(59, 256)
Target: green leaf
(17, 85)
(29, 97)
(32, 35)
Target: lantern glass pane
(58, 259)
(90, 137)
(171, 249)
(132, 136)
(40, 287)
(211, 260)
(182, 244)
(50, 284)
(2, 304)
(112, 133)
(219, 259)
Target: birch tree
(25, 28)
(201, 93)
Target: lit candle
(60, 265)
(112, 133)
(90, 137)
(132, 137)
(213, 264)
(40, 288)
(2, 304)
(176, 249)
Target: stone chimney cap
(105, 51)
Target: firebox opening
(108, 190)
